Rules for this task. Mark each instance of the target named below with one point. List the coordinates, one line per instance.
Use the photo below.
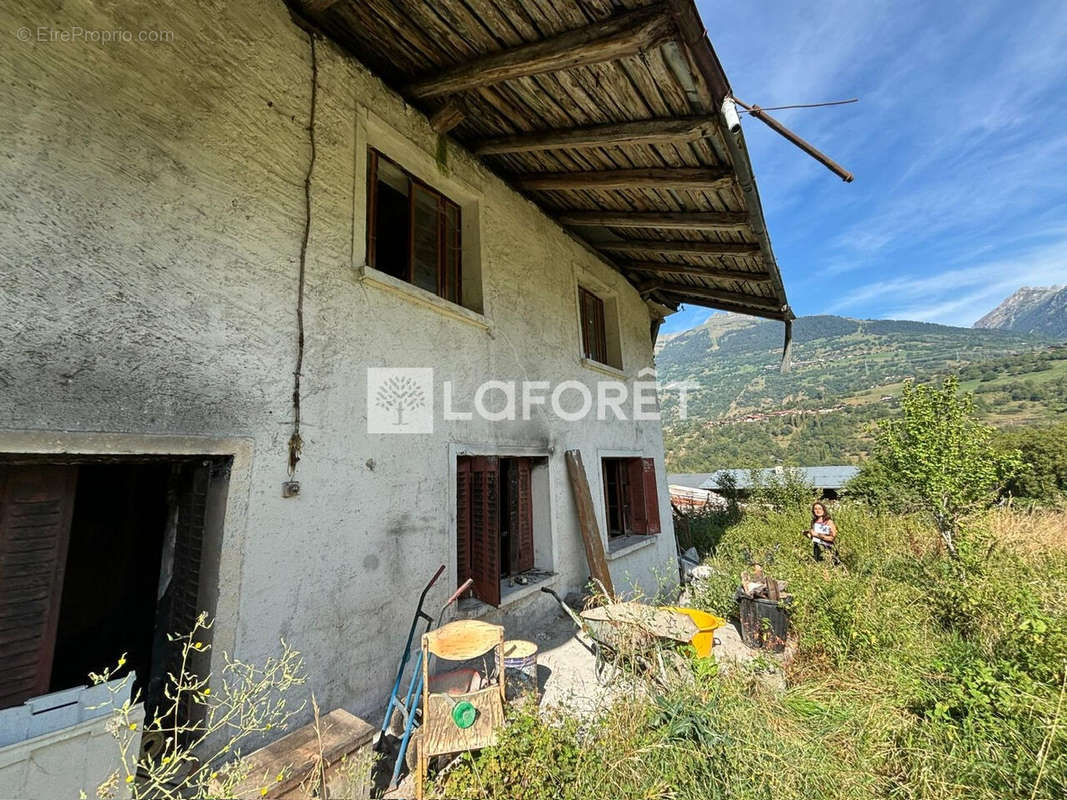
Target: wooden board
(441, 735)
(583, 501)
(463, 639)
(297, 752)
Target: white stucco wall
(151, 212)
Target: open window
(495, 521)
(413, 231)
(99, 559)
(631, 502)
(600, 328)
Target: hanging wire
(805, 106)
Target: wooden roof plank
(656, 246)
(721, 295)
(674, 268)
(616, 134)
(652, 177)
(666, 220)
(609, 40)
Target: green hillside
(845, 375)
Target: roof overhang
(605, 113)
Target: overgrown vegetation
(906, 684)
(205, 724)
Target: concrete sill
(472, 608)
(607, 369)
(624, 545)
(409, 291)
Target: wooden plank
(657, 247)
(297, 755)
(609, 40)
(448, 116)
(614, 134)
(646, 177)
(668, 220)
(583, 502)
(463, 639)
(706, 293)
(701, 271)
(720, 305)
(441, 735)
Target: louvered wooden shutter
(188, 548)
(485, 528)
(35, 510)
(594, 339)
(650, 495)
(463, 520)
(634, 494)
(642, 497)
(523, 531)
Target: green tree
(1043, 476)
(943, 456)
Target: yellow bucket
(706, 623)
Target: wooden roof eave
(672, 25)
(702, 55)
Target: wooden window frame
(636, 495)
(593, 326)
(449, 275)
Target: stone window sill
(415, 294)
(620, 546)
(607, 369)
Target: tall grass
(914, 679)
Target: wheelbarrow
(408, 705)
(619, 631)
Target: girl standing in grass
(823, 533)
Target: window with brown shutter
(631, 500)
(494, 521)
(36, 503)
(594, 332)
(413, 231)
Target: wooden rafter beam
(660, 268)
(720, 295)
(647, 178)
(448, 116)
(317, 6)
(722, 305)
(656, 247)
(609, 40)
(649, 131)
(667, 220)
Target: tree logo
(399, 400)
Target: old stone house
(393, 200)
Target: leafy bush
(781, 490)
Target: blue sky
(958, 144)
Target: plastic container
(520, 663)
(706, 623)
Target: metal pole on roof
(779, 128)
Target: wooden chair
(456, 720)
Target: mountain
(1037, 309)
(846, 373)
